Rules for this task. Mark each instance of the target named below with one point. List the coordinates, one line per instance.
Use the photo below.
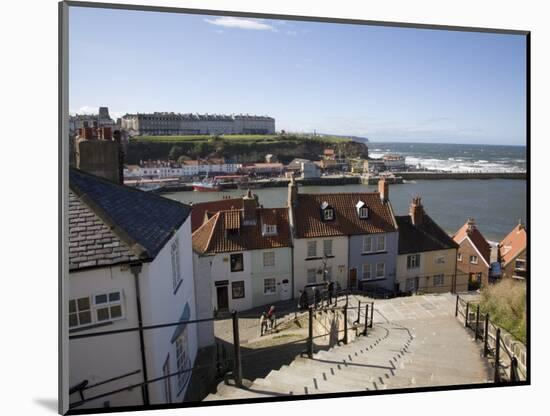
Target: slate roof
(476, 238)
(212, 237)
(513, 244)
(346, 221)
(427, 236)
(201, 208)
(120, 224)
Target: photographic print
(268, 208)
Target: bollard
(456, 307)
(486, 337)
(477, 323)
(466, 315)
(497, 357)
(366, 319)
(371, 314)
(237, 370)
(310, 334)
(346, 323)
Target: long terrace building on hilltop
(187, 124)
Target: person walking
(271, 316)
(263, 324)
(330, 292)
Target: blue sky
(384, 83)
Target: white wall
(99, 358)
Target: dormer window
(327, 211)
(269, 229)
(362, 210)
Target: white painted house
(244, 252)
(130, 260)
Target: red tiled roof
(346, 221)
(476, 238)
(201, 208)
(212, 236)
(513, 244)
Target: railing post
(366, 319)
(466, 314)
(371, 314)
(456, 306)
(486, 336)
(346, 322)
(497, 357)
(237, 370)
(514, 370)
(477, 323)
(358, 321)
(310, 334)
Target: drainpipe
(136, 270)
(292, 269)
(456, 268)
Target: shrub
(506, 304)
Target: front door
(353, 278)
(223, 297)
(285, 290)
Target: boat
(207, 186)
(149, 187)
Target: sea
(496, 204)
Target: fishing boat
(207, 185)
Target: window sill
(373, 280)
(370, 253)
(91, 326)
(237, 271)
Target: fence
(351, 321)
(509, 354)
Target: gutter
(136, 270)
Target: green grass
(506, 304)
(241, 138)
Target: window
(182, 361)
(237, 289)
(439, 280)
(108, 306)
(439, 260)
(270, 286)
(520, 264)
(381, 243)
(473, 259)
(166, 383)
(311, 278)
(328, 214)
(312, 248)
(363, 212)
(459, 256)
(366, 272)
(367, 244)
(410, 283)
(80, 312)
(413, 261)
(176, 274)
(380, 270)
(269, 258)
(327, 247)
(237, 262)
(270, 229)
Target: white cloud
(87, 109)
(240, 23)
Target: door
(223, 297)
(285, 290)
(353, 278)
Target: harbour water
(495, 204)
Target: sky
(384, 83)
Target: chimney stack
(471, 224)
(416, 211)
(384, 190)
(249, 207)
(105, 133)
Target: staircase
(391, 356)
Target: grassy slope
(242, 138)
